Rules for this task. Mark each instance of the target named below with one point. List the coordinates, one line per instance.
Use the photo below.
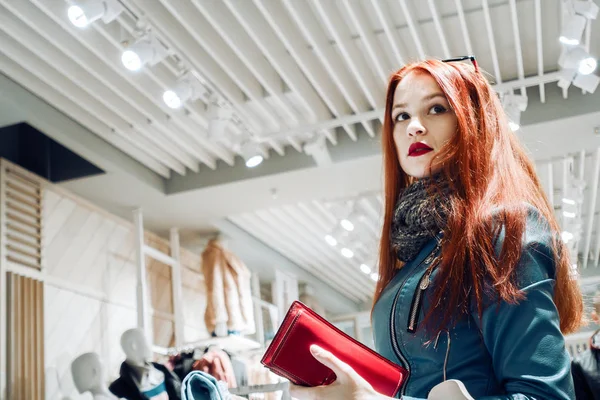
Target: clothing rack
(273, 387)
(232, 343)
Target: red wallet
(289, 353)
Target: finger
(329, 360)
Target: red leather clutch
(289, 353)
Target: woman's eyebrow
(426, 98)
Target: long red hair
(500, 175)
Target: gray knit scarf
(420, 214)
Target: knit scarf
(420, 214)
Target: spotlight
(187, 88)
(317, 148)
(146, 50)
(514, 105)
(374, 276)
(218, 118)
(587, 9)
(365, 268)
(84, 12)
(589, 83)
(577, 58)
(347, 225)
(573, 30)
(587, 66)
(330, 240)
(251, 156)
(567, 236)
(347, 252)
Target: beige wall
(94, 252)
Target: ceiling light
(330, 240)
(589, 83)
(514, 126)
(317, 148)
(147, 50)
(577, 58)
(84, 12)
(347, 225)
(567, 236)
(568, 201)
(587, 9)
(572, 30)
(566, 78)
(374, 276)
(251, 156)
(172, 99)
(219, 116)
(587, 66)
(567, 214)
(187, 88)
(347, 252)
(365, 268)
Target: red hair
(498, 175)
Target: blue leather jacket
(513, 352)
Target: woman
(474, 281)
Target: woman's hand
(348, 385)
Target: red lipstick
(418, 149)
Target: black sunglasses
(464, 58)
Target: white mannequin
(136, 347)
(89, 376)
(138, 354)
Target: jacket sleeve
(528, 350)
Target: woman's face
(423, 123)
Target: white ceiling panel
(282, 66)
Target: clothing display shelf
(274, 387)
(232, 343)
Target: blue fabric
(199, 385)
(156, 390)
(512, 352)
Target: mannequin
(89, 376)
(141, 379)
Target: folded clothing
(199, 385)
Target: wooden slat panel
(25, 338)
(13, 207)
(13, 238)
(23, 200)
(17, 228)
(21, 220)
(19, 189)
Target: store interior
(143, 141)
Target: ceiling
(292, 72)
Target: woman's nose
(415, 128)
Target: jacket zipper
(395, 346)
(417, 302)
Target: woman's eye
(402, 117)
(438, 109)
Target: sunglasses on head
(464, 58)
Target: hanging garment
(199, 385)
(217, 364)
(155, 382)
(229, 298)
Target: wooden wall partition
(79, 260)
(25, 377)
